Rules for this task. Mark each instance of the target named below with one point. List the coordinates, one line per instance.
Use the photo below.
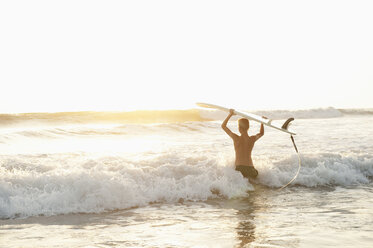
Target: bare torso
(243, 146)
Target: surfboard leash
(299, 164)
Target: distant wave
(319, 113)
(67, 183)
(143, 116)
(282, 114)
(356, 111)
(165, 116)
(63, 131)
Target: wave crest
(325, 169)
(71, 183)
(110, 183)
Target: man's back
(243, 145)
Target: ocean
(167, 179)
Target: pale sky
(127, 55)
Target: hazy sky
(126, 55)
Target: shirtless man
(243, 145)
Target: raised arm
(261, 133)
(224, 124)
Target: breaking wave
(323, 169)
(71, 183)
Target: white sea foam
(71, 183)
(323, 169)
(59, 185)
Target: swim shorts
(247, 171)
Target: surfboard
(267, 122)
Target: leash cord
(299, 164)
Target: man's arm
(224, 125)
(261, 133)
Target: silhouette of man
(243, 145)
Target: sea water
(67, 183)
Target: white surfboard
(267, 122)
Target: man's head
(243, 125)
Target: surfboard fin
(286, 124)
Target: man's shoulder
(252, 138)
(235, 136)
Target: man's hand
(231, 112)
